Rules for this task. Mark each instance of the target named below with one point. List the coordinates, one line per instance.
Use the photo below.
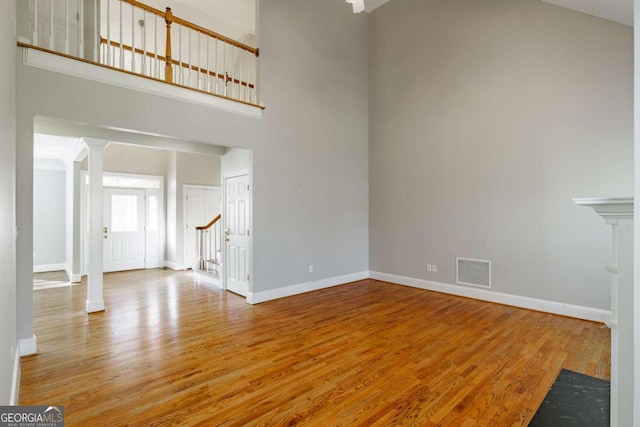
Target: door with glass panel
(124, 229)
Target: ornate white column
(618, 213)
(95, 298)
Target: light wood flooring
(172, 351)
(51, 279)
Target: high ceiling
(239, 13)
(620, 11)
(614, 10)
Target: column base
(94, 306)
(27, 346)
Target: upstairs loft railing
(210, 246)
(131, 36)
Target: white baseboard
(15, 377)
(27, 346)
(207, 279)
(569, 310)
(173, 266)
(301, 288)
(45, 268)
(94, 306)
(73, 278)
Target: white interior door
(237, 214)
(124, 234)
(202, 205)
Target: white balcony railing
(131, 36)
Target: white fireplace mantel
(618, 213)
(609, 208)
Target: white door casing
(124, 229)
(237, 224)
(201, 205)
(153, 228)
(154, 210)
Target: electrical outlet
(429, 267)
(310, 268)
(434, 268)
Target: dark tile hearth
(575, 399)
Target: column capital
(95, 143)
(77, 151)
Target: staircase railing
(136, 38)
(209, 245)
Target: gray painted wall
(310, 161)
(7, 200)
(49, 221)
(310, 153)
(122, 158)
(486, 119)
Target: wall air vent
(473, 272)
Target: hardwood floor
(172, 351)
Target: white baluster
(181, 68)
(34, 36)
(52, 40)
(121, 38)
(224, 66)
(243, 54)
(133, 39)
(233, 72)
(215, 66)
(155, 46)
(143, 38)
(109, 56)
(199, 67)
(80, 28)
(207, 83)
(66, 26)
(96, 31)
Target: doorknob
(226, 231)
(226, 239)
(105, 232)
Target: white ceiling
(620, 11)
(51, 147)
(370, 5)
(614, 10)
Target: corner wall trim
(553, 307)
(203, 277)
(27, 346)
(44, 268)
(15, 378)
(301, 288)
(173, 266)
(73, 278)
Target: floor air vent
(474, 272)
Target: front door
(124, 234)
(237, 234)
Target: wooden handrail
(213, 221)
(139, 51)
(195, 27)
